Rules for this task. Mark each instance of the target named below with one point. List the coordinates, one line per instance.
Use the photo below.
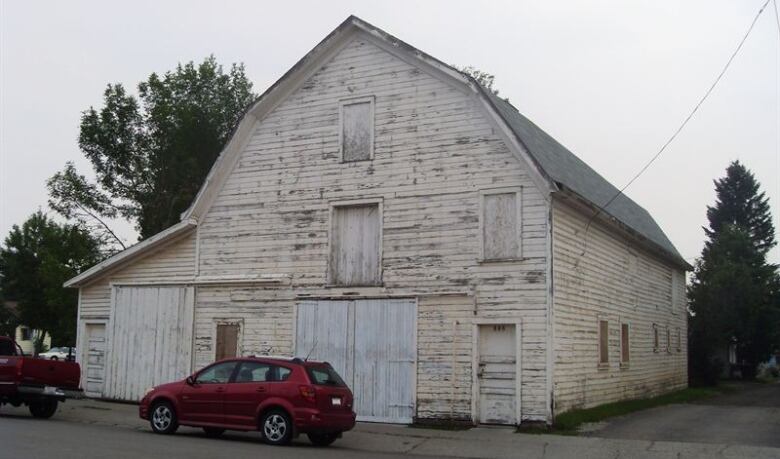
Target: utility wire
(682, 126)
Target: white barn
(383, 211)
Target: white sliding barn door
(372, 344)
(151, 339)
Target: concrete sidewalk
(473, 443)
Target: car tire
(54, 357)
(163, 419)
(276, 427)
(43, 409)
(213, 432)
(323, 439)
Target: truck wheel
(43, 409)
(163, 418)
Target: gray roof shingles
(565, 168)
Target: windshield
(324, 375)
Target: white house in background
(382, 211)
(25, 336)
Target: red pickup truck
(38, 383)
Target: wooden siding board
(617, 282)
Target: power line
(684, 123)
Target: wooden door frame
(476, 323)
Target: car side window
(254, 372)
(216, 374)
(283, 373)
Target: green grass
(570, 421)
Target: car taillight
(308, 394)
(19, 369)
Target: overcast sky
(611, 80)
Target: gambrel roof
(552, 167)
(570, 172)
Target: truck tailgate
(40, 372)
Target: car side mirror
(190, 381)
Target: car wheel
(322, 439)
(163, 418)
(43, 409)
(54, 357)
(276, 427)
(213, 431)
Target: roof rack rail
(279, 357)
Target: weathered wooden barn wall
(618, 282)
(434, 152)
(444, 341)
(173, 261)
(264, 316)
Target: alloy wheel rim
(162, 417)
(275, 427)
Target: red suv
(279, 397)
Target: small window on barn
(625, 351)
(355, 245)
(668, 340)
(357, 129)
(603, 342)
(501, 226)
(679, 340)
(656, 343)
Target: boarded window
(668, 340)
(603, 342)
(625, 356)
(227, 341)
(355, 246)
(357, 130)
(655, 338)
(679, 340)
(500, 227)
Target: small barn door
(94, 359)
(497, 374)
(227, 341)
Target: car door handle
(260, 389)
(220, 389)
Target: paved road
(94, 429)
(750, 416)
(28, 438)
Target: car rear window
(324, 375)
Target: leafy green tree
(35, 260)
(8, 320)
(151, 153)
(733, 294)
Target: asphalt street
(744, 424)
(28, 438)
(749, 416)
